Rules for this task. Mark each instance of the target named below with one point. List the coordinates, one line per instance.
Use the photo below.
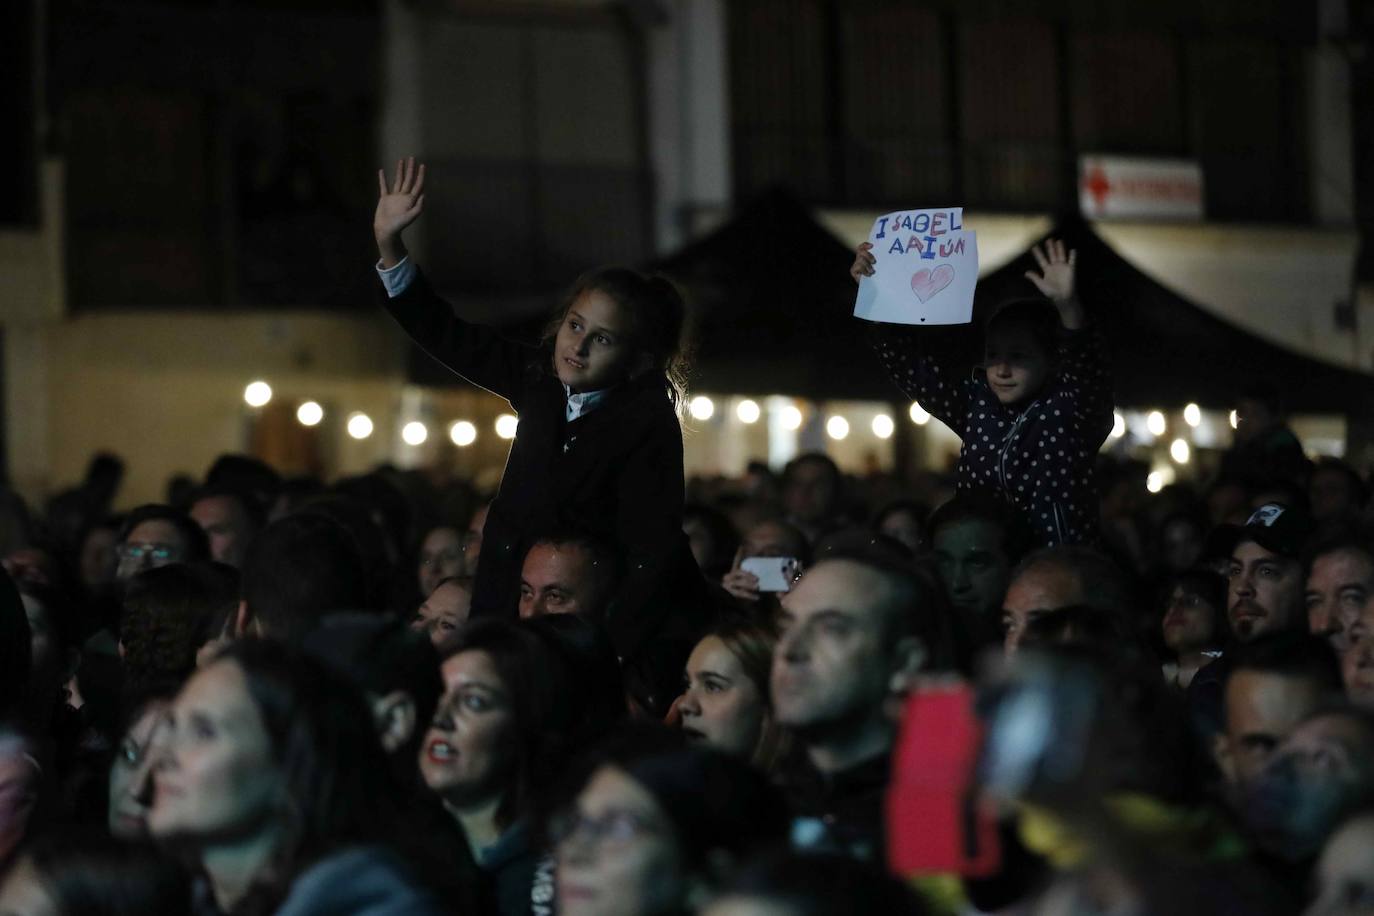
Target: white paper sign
(925, 272)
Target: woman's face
(131, 775)
(214, 777)
(443, 612)
(441, 556)
(1188, 621)
(469, 749)
(721, 705)
(592, 350)
(617, 855)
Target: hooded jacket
(1039, 456)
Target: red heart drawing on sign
(926, 283)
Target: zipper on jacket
(1006, 444)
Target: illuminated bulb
(462, 433)
(1155, 482)
(309, 413)
(414, 433)
(505, 426)
(1155, 423)
(257, 394)
(1235, 420)
(747, 411)
(702, 407)
(791, 417)
(1179, 451)
(1192, 415)
(919, 415)
(1118, 425)
(837, 427)
(360, 426)
(883, 426)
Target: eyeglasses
(160, 553)
(614, 828)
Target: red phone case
(935, 824)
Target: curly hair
(169, 613)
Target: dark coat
(1038, 457)
(615, 472)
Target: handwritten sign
(925, 272)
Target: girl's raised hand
(1055, 279)
(399, 204)
(863, 262)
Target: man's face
(227, 525)
(809, 493)
(1357, 661)
(559, 579)
(1339, 589)
(973, 566)
(1035, 591)
(149, 545)
(1265, 593)
(1325, 765)
(1262, 707)
(832, 668)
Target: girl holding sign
(1034, 415)
(598, 448)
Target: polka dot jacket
(1039, 457)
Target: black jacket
(615, 472)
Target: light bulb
(462, 433)
(257, 394)
(702, 407)
(360, 426)
(309, 413)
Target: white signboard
(925, 272)
(1116, 187)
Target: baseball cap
(1278, 528)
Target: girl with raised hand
(1033, 416)
(598, 446)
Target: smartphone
(775, 574)
(936, 821)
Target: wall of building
(165, 391)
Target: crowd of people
(1029, 686)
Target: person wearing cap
(1265, 595)
(1266, 575)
